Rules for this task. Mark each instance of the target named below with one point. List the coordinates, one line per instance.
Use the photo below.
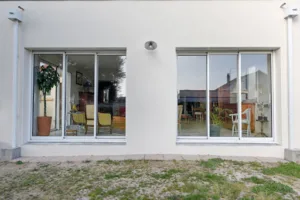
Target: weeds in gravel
(271, 187)
(19, 162)
(211, 163)
(255, 180)
(109, 162)
(127, 180)
(166, 174)
(288, 169)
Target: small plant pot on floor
(215, 130)
(44, 126)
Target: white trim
(239, 81)
(229, 140)
(191, 53)
(290, 82)
(95, 95)
(48, 52)
(207, 97)
(31, 84)
(78, 139)
(273, 95)
(63, 103)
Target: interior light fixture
(150, 45)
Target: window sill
(79, 140)
(229, 141)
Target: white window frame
(239, 139)
(73, 139)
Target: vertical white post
(239, 94)
(290, 81)
(273, 96)
(96, 95)
(15, 83)
(64, 77)
(207, 97)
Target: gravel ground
(128, 179)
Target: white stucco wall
(151, 122)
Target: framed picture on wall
(78, 78)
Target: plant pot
(215, 130)
(44, 126)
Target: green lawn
(170, 180)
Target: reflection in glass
(256, 95)
(53, 98)
(80, 95)
(223, 95)
(191, 95)
(111, 95)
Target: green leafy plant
(217, 115)
(47, 78)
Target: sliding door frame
(63, 137)
(239, 138)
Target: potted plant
(47, 78)
(217, 116)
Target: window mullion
(63, 128)
(207, 97)
(95, 95)
(239, 95)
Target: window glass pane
(256, 95)
(111, 95)
(223, 95)
(47, 103)
(191, 95)
(80, 95)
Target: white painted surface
(151, 122)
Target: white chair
(246, 120)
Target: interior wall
(236, 24)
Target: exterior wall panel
(151, 76)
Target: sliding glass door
(224, 95)
(87, 101)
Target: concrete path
(146, 157)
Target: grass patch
(272, 187)
(208, 177)
(166, 174)
(109, 162)
(237, 163)
(255, 164)
(255, 180)
(32, 179)
(116, 175)
(211, 163)
(288, 169)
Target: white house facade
(150, 77)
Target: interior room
(80, 95)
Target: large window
(224, 95)
(88, 99)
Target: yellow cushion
(104, 119)
(90, 122)
(79, 118)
